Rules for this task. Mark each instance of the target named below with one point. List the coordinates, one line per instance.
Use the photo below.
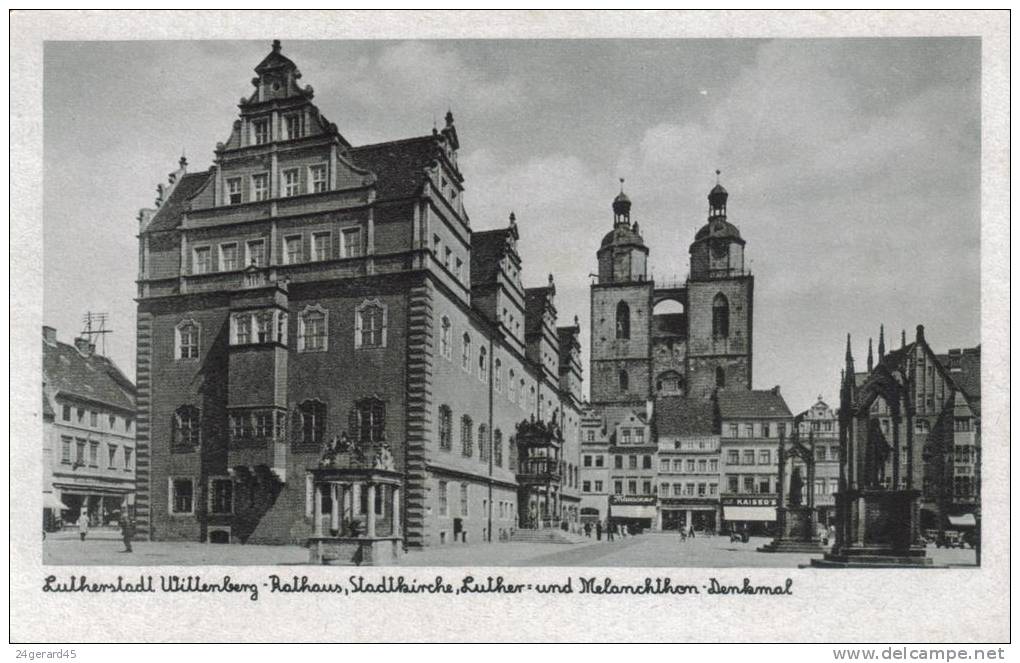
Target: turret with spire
(623, 256)
(881, 342)
(871, 359)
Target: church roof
(676, 415)
(168, 216)
(758, 403)
(488, 247)
(622, 234)
(95, 377)
(399, 165)
(718, 228)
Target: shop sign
(639, 500)
(749, 501)
(690, 501)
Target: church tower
(720, 294)
(621, 309)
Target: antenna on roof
(95, 325)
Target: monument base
(349, 551)
(797, 532)
(813, 547)
(874, 557)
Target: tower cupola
(718, 249)
(717, 199)
(623, 256)
(621, 208)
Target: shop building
(688, 464)
(89, 434)
(595, 468)
(819, 425)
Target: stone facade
(304, 290)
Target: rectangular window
(94, 419)
(234, 190)
(626, 436)
(646, 487)
(734, 484)
(128, 452)
(748, 484)
(833, 486)
(66, 412)
(256, 253)
(688, 489)
(81, 415)
(79, 451)
(294, 124)
(65, 450)
(589, 436)
(228, 257)
(819, 453)
(203, 260)
(111, 451)
(713, 488)
(317, 178)
(586, 486)
(618, 488)
(646, 462)
(464, 499)
(458, 268)
(733, 430)
(765, 430)
(352, 242)
(664, 465)
(748, 430)
(678, 465)
(320, 246)
(242, 329)
(713, 465)
(765, 458)
(598, 461)
(639, 436)
(781, 430)
(598, 486)
(292, 249)
(260, 131)
(291, 182)
(690, 464)
(260, 186)
(702, 466)
(748, 456)
(618, 462)
(702, 488)
(587, 461)
(93, 454)
(221, 496)
(182, 494)
(127, 425)
(678, 489)
(632, 487)
(443, 504)
(632, 462)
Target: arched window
(483, 364)
(483, 443)
(497, 448)
(720, 317)
(445, 428)
(444, 337)
(466, 436)
(313, 422)
(520, 398)
(624, 381)
(187, 429)
(510, 386)
(622, 320)
(497, 375)
(187, 337)
(512, 464)
(720, 377)
(370, 325)
(465, 355)
(312, 329)
(367, 422)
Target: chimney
(920, 333)
(85, 347)
(649, 409)
(49, 335)
(775, 390)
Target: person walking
(83, 525)
(610, 531)
(127, 531)
(691, 533)
(598, 530)
(587, 530)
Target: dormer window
(317, 178)
(234, 190)
(260, 131)
(295, 125)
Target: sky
(853, 167)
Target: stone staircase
(550, 535)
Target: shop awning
(51, 501)
(763, 513)
(966, 520)
(632, 511)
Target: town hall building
(303, 295)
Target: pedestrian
(83, 525)
(587, 530)
(691, 533)
(598, 530)
(611, 530)
(127, 531)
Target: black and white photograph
(691, 304)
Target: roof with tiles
(534, 308)
(168, 216)
(93, 377)
(487, 250)
(675, 415)
(399, 165)
(758, 403)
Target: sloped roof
(739, 404)
(399, 165)
(968, 378)
(168, 216)
(47, 409)
(487, 248)
(534, 308)
(675, 415)
(95, 377)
